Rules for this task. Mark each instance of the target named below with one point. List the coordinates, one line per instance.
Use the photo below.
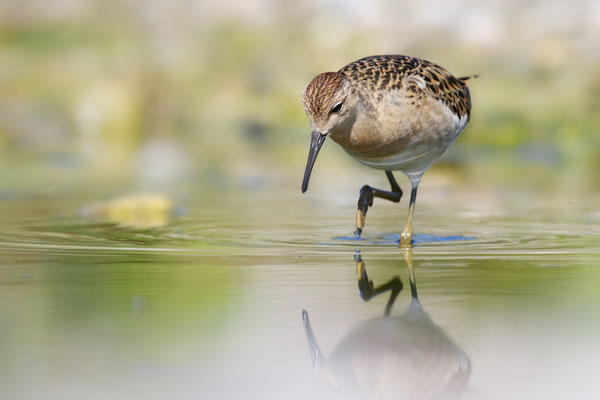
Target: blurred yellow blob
(140, 211)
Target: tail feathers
(466, 78)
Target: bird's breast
(399, 133)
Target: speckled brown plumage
(372, 75)
(392, 113)
(320, 90)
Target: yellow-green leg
(406, 236)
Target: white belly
(415, 159)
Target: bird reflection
(390, 357)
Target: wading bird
(390, 112)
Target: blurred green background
(140, 95)
(192, 109)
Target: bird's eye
(337, 108)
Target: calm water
(211, 304)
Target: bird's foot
(406, 239)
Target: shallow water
(210, 305)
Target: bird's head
(329, 101)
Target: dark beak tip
(316, 142)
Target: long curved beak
(316, 141)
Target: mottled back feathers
(392, 72)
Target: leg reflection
(407, 254)
(368, 290)
(390, 356)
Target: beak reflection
(408, 352)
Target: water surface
(210, 304)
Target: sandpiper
(389, 112)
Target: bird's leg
(368, 290)
(365, 200)
(406, 236)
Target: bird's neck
(359, 132)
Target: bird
(391, 113)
